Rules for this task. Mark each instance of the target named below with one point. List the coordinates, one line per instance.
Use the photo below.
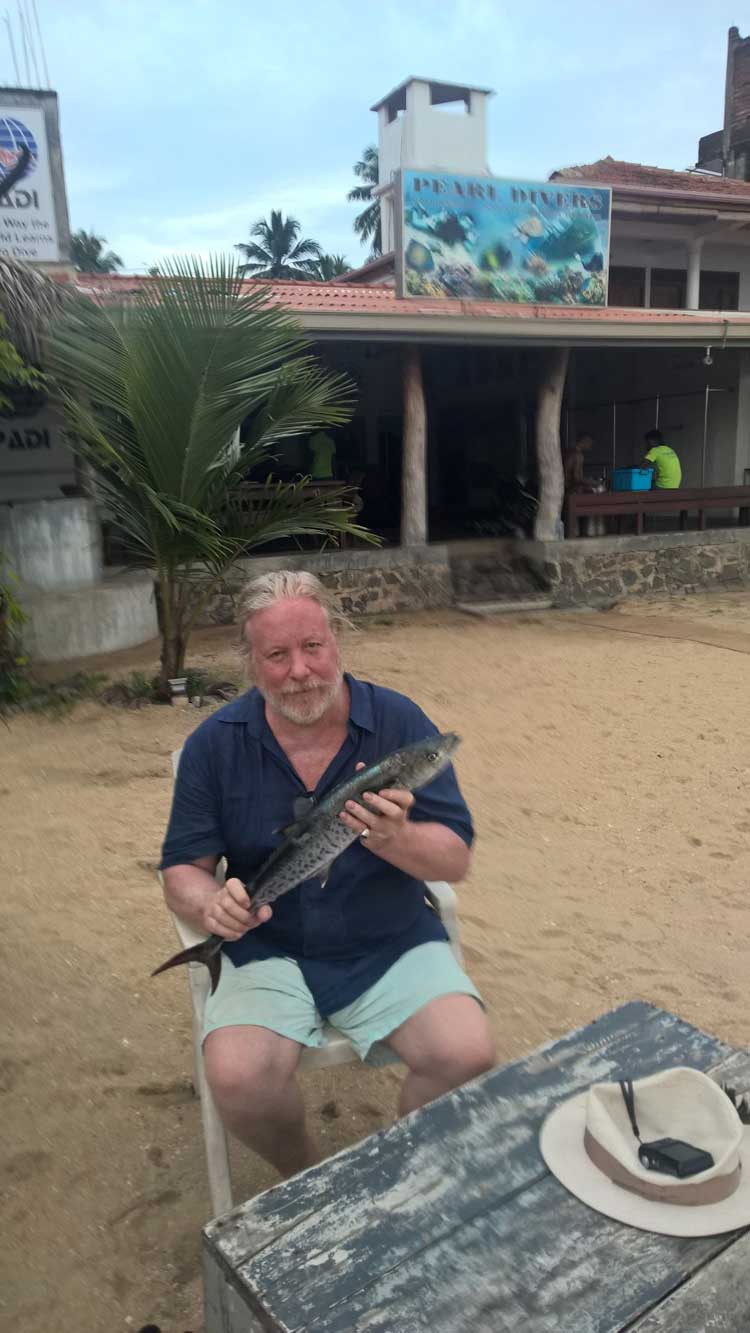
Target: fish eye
(433, 756)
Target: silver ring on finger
(364, 835)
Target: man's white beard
(305, 706)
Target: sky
(184, 121)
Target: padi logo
(14, 136)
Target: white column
(742, 445)
(647, 289)
(694, 274)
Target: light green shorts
(272, 993)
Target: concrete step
(63, 623)
(509, 606)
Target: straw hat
(590, 1144)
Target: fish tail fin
(208, 952)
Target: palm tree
(280, 254)
(155, 397)
(367, 223)
(89, 256)
(329, 267)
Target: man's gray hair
(268, 589)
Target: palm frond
(367, 223)
(29, 302)
(155, 395)
(283, 510)
(305, 250)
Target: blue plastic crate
(631, 479)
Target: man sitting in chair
(365, 951)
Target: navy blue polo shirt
(235, 789)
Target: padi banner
(28, 229)
(484, 239)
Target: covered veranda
(446, 440)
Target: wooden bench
(450, 1222)
(699, 499)
(254, 496)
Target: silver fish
(314, 842)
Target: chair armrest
(188, 935)
(444, 900)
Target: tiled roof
(632, 175)
(338, 298)
(382, 264)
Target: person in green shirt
(664, 461)
(323, 452)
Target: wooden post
(414, 453)
(548, 453)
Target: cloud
(320, 204)
(183, 124)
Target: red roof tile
(373, 270)
(338, 298)
(632, 175)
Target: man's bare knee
(250, 1065)
(450, 1040)
(456, 1057)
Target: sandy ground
(606, 761)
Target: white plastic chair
(337, 1050)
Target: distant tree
(89, 255)
(367, 223)
(279, 254)
(329, 267)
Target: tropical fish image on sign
(485, 239)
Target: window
(720, 291)
(668, 288)
(627, 286)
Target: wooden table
(449, 1221)
(685, 500)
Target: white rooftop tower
(430, 125)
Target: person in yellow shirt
(664, 461)
(323, 453)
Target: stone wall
(496, 569)
(365, 581)
(599, 570)
(586, 572)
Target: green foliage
(278, 253)
(14, 371)
(155, 397)
(329, 267)
(88, 253)
(13, 676)
(200, 683)
(367, 223)
(138, 689)
(134, 691)
(19, 689)
(21, 692)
